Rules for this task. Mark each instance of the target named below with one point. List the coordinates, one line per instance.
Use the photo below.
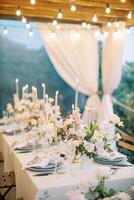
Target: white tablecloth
(56, 186)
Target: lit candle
(44, 91)
(26, 88)
(34, 94)
(46, 106)
(56, 98)
(76, 93)
(23, 92)
(72, 107)
(17, 87)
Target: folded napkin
(113, 156)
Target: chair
(126, 142)
(7, 181)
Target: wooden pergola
(46, 10)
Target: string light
(84, 25)
(5, 30)
(27, 25)
(31, 33)
(58, 27)
(54, 22)
(73, 6)
(18, 11)
(33, 2)
(88, 26)
(109, 24)
(123, 1)
(60, 14)
(24, 20)
(129, 16)
(94, 19)
(108, 9)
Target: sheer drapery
(74, 53)
(111, 67)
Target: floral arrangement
(95, 190)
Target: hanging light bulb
(60, 14)
(5, 30)
(58, 27)
(94, 19)
(84, 24)
(88, 26)
(54, 22)
(33, 2)
(27, 25)
(108, 9)
(123, 1)
(109, 24)
(73, 6)
(31, 33)
(24, 20)
(18, 11)
(130, 15)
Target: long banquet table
(55, 186)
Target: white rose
(121, 196)
(50, 128)
(89, 146)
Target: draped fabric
(74, 53)
(112, 59)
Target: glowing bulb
(27, 25)
(54, 22)
(5, 30)
(130, 15)
(24, 20)
(58, 27)
(60, 15)
(108, 9)
(109, 24)
(84, 24)
(31, 34)
(88, 26)
(73, 7)
(94, 19)
(123, 1)
(33, 2)
(18, 11)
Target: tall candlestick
(23, 92)
(76, 93)
(56, 98)
(46, 107)
(33, 94)
(26, 88)
(44, 92)
(17, 87)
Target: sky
(18, 34)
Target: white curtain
(111, 67)
(74, 53)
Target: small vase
(85, 163)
